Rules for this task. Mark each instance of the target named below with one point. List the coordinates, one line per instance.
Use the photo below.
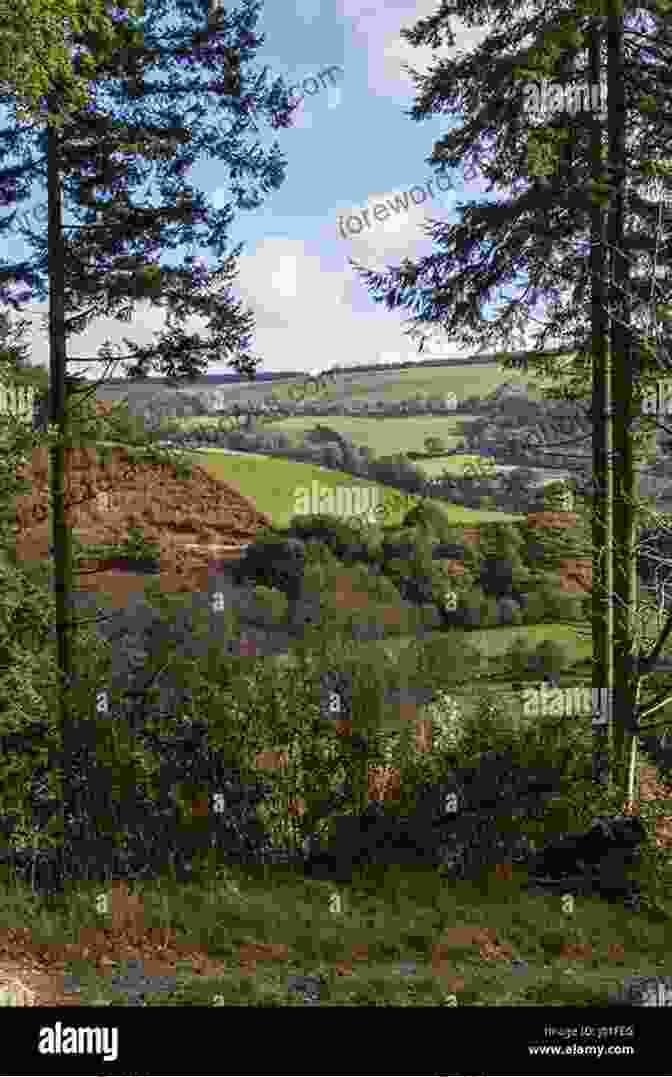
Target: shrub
(489, 613)
(550, 656)
(274, 561)
(562, 606)
(517, 656)
(430, 518)
(382, 588)
(509, 612)
(419, 588)
(397, 570)
(453, 551)
(469, 609)
(400, 545)
(497, 577)
(535, 609)
(446, 716)
(431, 615)
(345, 540)
(445, 659)
(271, 605)
(319, 552)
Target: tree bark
(625, 593)
(602, 523)
(58, 417)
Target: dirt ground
(195, 521)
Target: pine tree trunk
(58, 414)
(625, 516)
(602, 523)
(61, 539)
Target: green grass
(492, 644)
(463, 380)
(384, 436)
(454, 465)
(271, 484)
(386, 918)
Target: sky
(351, 148)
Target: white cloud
(400, 234)
(310, 308)
(377, 29)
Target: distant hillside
(208, 379)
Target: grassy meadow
(271, 483)
(394, 939)
(463, 380)
(383, 436)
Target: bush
(443, 660)
(562, 606)
(319, 552)
(270, 606)
(554, 752)
(550, 656)
(469, 609)
(431, 519)
(400, 545)
(431, 616)
(509, 612)
(276, 562)
(497, 577)
(517, 657)
(345, 540)
(120, 425)
(453, 551)
(535, 609)
(382, 588)
(489, 613)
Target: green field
(271, 484)
(384, 436)
(453, 464)
(464, 380)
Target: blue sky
(350, 149)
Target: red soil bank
(194, 521)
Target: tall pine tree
(35, 48)
(565, 174)
(94, 163)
